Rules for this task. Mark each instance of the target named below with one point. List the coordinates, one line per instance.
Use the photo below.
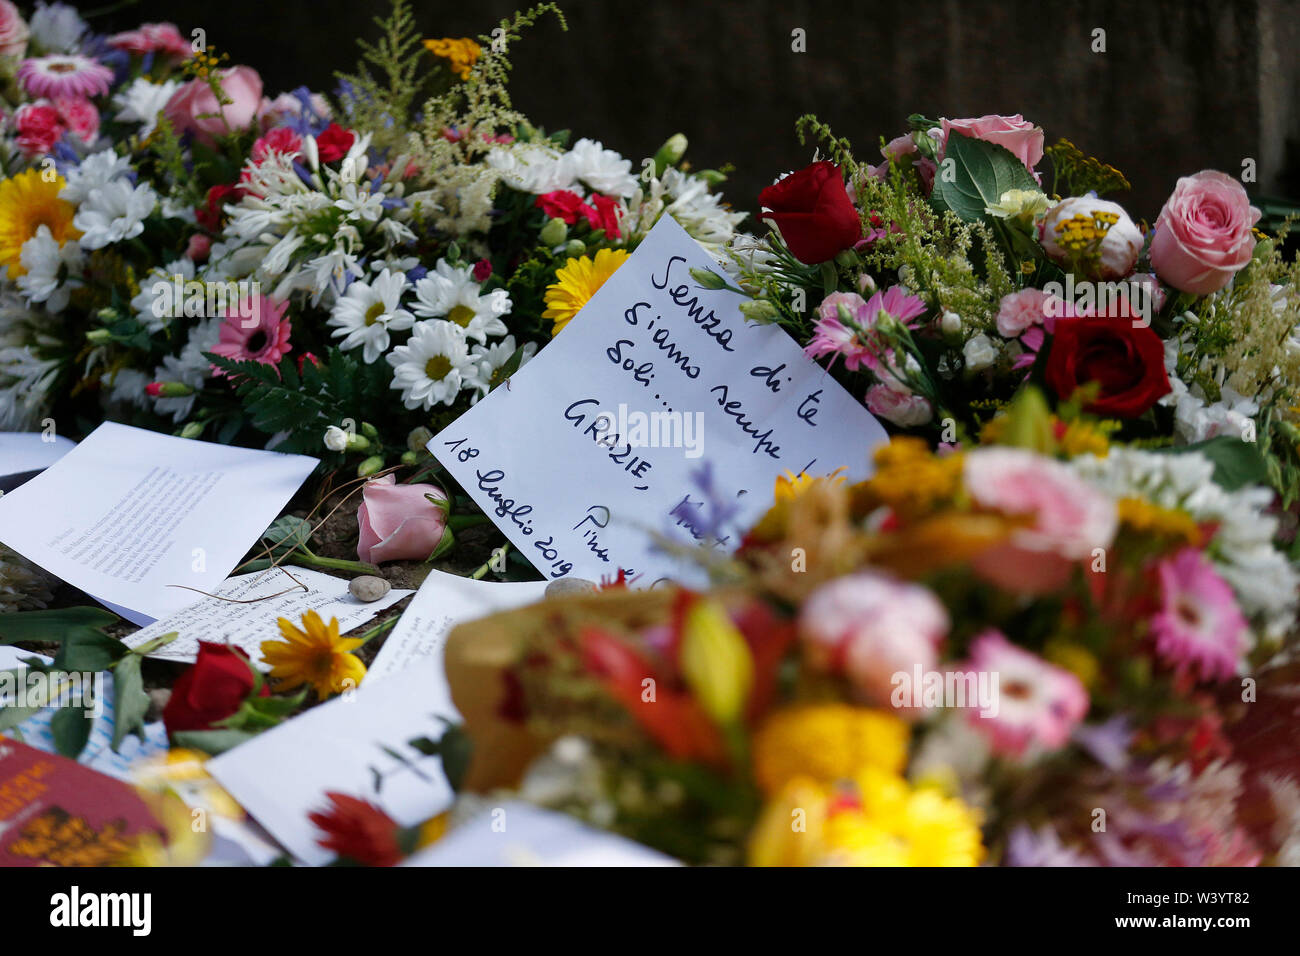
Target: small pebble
(562, 586)
(369, 588)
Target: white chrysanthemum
(700, 212)
(26, 384)
(491, 359)
(23, 586)
(602, 169)
(113, 213)
(147, 304)
(434, 365)
(44, 259)
(368, 312)
(189, 368)
(57, 27)
(94, 173)
(531, 168)
(450, 292)
(126, 386)
(1264, 580)
(141, 101)
(1195, 419)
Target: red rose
(334, 142)
(1127, 362)
(209, 214)
(560, 204)
(211, 690)
(358, 831)
(814, 213)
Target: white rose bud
(336, 439)
(1070, 231)
(950, 323)
(980, 353)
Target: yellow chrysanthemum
(911, 478)
(826, 743)
(315, 655)
(790, 486)
(576, 282)
(878, 821)
(461, 53)
(1148, 518)
(27, 202)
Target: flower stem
(336, 564)
(379, 629)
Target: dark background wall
(1182, 85)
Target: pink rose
(1203, 235)
(39, 127)
(13, 30)
(398, 523)
(1068, 518)
(1015, 133)
(152, 38)
(80, 116)
(898, 404)
(871, 627)
(194, 107)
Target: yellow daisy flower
(315, 655)
(790, 486)
(461, 53)
(27, 202)
(576, 282)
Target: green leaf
(1237, 463)
(89, 650)
(287, 534)
(130, 702)
(51, 626)
(70, 727)
(10, 715)
(211, 741)
(974, 174)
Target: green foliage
(390, 77)
(1075, 172)
(839, 148)
(974, 175)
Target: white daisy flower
(433, 366)
(450, 292)
(95, 172)
(44, 259)
(142, 101)
(491, 359)
(368, 312)
(113, 213)
(602, 169)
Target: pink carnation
(80, 116)
(152, 38)
(39, 127)
(872, 627)
(279, 140)
(1199, 628)
(1068, 518)
(1037, 705)
(1028, 307)
(898, 404)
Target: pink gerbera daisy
(846, 325)
(1038, 705)
(1199, 626)
(61, 75)
(257, 331)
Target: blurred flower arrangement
(1042, 649)
(186, 253)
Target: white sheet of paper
(520, 834)
(128, 512)
(443, 601)
(22, 452)
(248, 625)
(283, 774)
(565, 461)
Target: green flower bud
(192, 430)
(554, 233)
(712, 177)
(670, 153)
(410, 457)
(369, 430)
(574, 248)
(453, 252)
(99, 336)
(708, 278)
(419, 439)
(371, 465)
(760, 311)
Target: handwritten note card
(254, 603)
(597, 439)
(129, 512)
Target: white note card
(22, 452)
(129, 512)
(357, 744)
(270, 595)
(443, 601)
(600, 439)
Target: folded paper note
(657, 401)
(443, 601)
(248, 606)
(133, 517)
